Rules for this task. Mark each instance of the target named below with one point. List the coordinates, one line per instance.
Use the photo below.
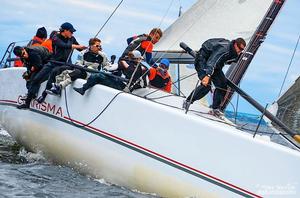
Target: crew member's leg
(220, 83)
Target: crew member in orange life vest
(39, 38)
(144, 44)
(159, 77)
(48, 42)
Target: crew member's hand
(26, 75)
(205, 81)
(80, 47)
(33, 69)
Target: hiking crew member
(63, 43)
(33, 58)
(210, 60)
(159, 77)
(37, 40)
(144, 44)
(127, 66)
(92, 58)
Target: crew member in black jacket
(33, 58)
(210, 60)
(62, 45)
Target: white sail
(214, 18)
(204, 20)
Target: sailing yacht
(144, 140)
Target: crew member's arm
(36, 62)
(168, 87)
(148, 47)
(74, 45)
(152, 73)
(77, 46)
(216, 57)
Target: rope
(109, 18)
(181, 79)
(288, 69)
(93, 120)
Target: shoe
(55, 90)
(41, 99)
(48, 91)
(23, 98)
(23, 106)
(79, 90)
(217, 113)
(186, 104)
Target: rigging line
(181, 79)
(288, 69)
(93, 120)
(109, 18)
(180, 8)
(22, 41)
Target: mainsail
(214, 18)
(210, 19)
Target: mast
(236, 72)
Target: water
(25, 174)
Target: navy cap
(67, 26)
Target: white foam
(3, 132)
(102, 181)
(31, 157)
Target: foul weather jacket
(213, 55)
(62, 47)
(37, 57)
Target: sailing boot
(217, 113)
(90, 83)
(79, 90)
(42, 98)
(26, 104)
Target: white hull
(148, 146)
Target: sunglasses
(241, 48)
(163, 66)
(98, 46)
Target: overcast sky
(20, 19)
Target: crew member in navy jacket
(209, 61)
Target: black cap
(67, 26)
(41, 33)
(18, 51)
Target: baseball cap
(165, 62)
(136, 54)
(67, 26)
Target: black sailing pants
(219, 80)
(37, 80)
(103, 79)
(56, 71)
